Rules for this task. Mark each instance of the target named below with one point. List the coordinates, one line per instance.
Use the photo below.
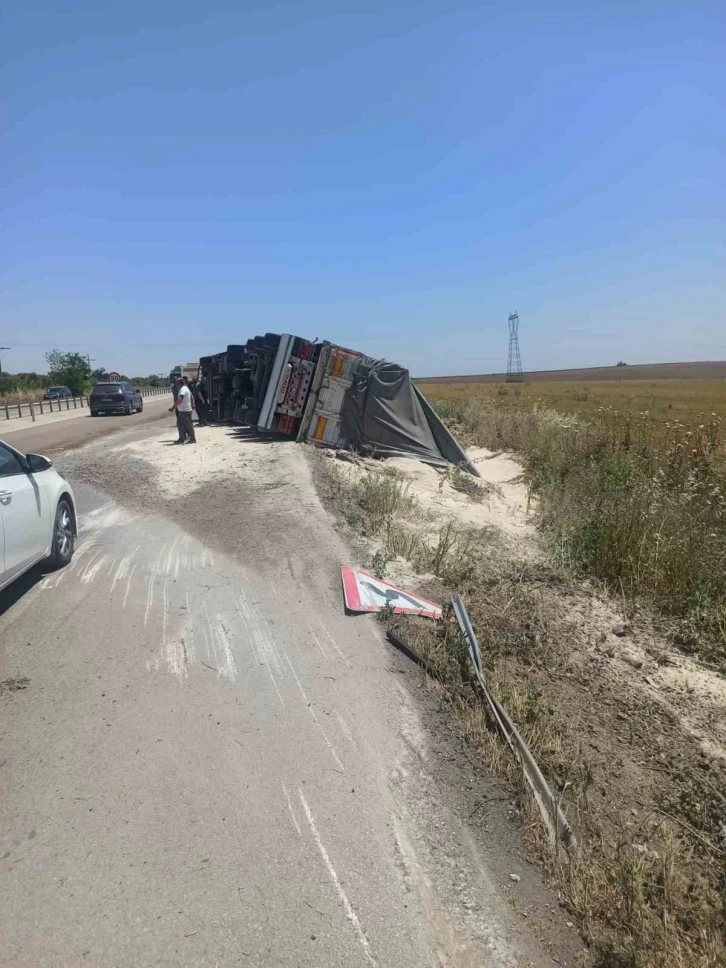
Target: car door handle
(5, 497)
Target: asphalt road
(205, 762)
(64, 431)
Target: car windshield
(106, 387)
(56, 389)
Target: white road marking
(348, 907)
(292, 812)
(314, 715)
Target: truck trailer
(326, 394)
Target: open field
(712, 370)
(684, 399)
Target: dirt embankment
(631, 733)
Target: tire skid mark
(150, 593)
(93, 568)
(314, 715)
(123, 568)
(292, 812)
(340, 652)
(90, 562)
(347, 906)
(80, 550)
(128, 585)
(261, 650)
(222, 648)
(346, 730)
(319, 643)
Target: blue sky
(397, 177)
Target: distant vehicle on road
(115, 398)
(188, 370)
(37, 514)
(57, 393)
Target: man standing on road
(184, 414)
(200, 402)
(174, 390)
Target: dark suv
(115, 398)
(57, 393)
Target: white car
(37, 514)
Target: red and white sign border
(354, 604)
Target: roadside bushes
(15, 387)
(637, 502)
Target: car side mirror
(37, 463)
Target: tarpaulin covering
(384, 414)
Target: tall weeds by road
(380, 505)
(638, 502)
(646, 888)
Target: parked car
(37, 514)
(57, 393)
(115, 398)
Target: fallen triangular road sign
(366, 593)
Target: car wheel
(94, 413)
(141, 405)
(63, 538)
(129, 409)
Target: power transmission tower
(514, 361)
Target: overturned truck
(329, 395)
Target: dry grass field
(684, 399)
(628, 477)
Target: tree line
(68, 370)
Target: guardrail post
(75, 404)
(20, 412)
(7, 412)
(32, 410)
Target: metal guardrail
(14, 411)
(557, 824)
